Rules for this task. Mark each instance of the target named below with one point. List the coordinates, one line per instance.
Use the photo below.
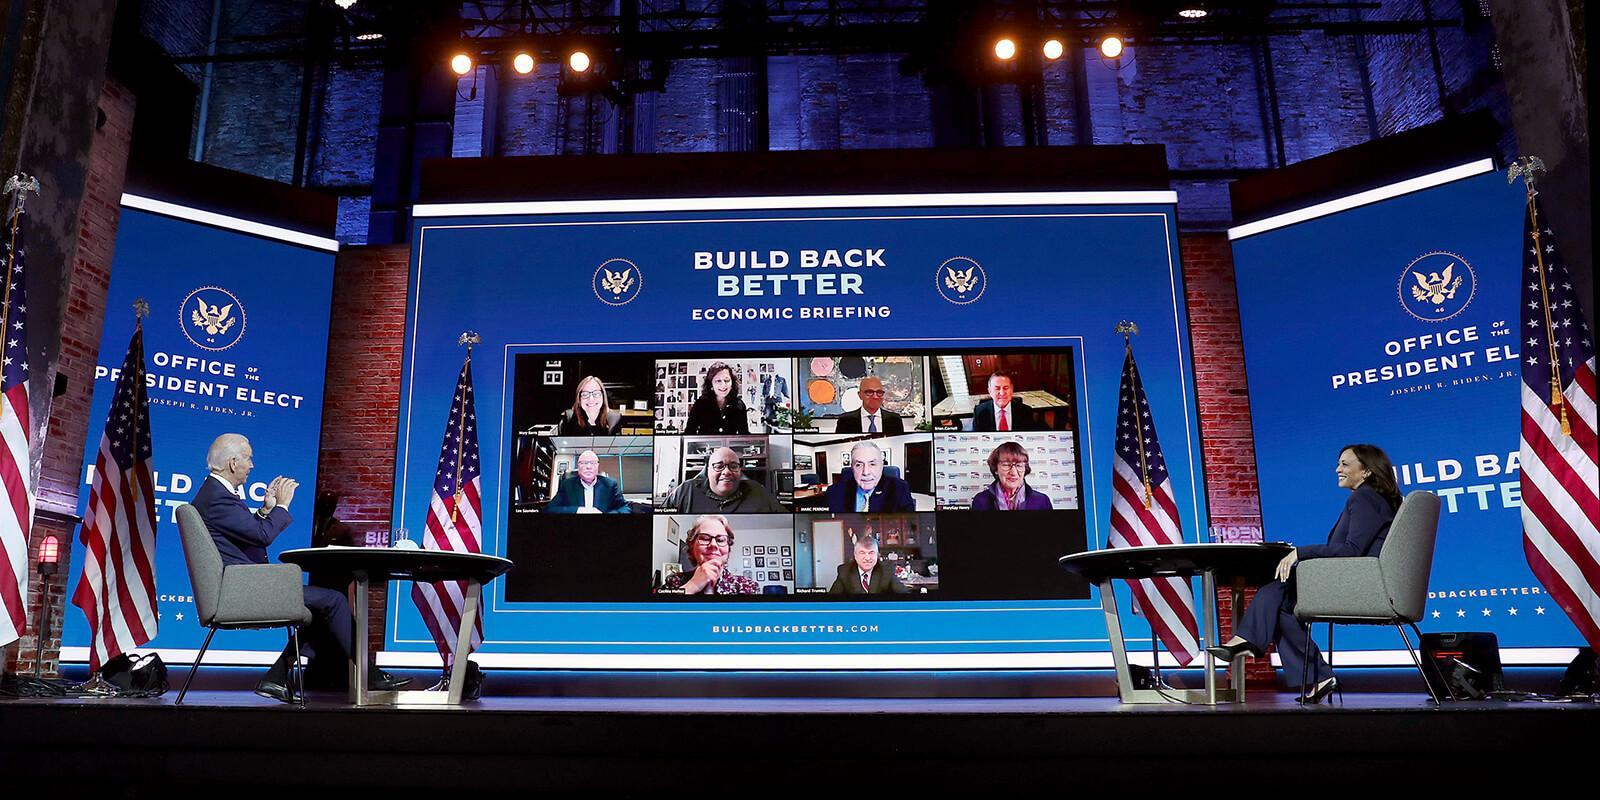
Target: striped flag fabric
(16, 454)
(1144, 513)
(1560, 510)
(454, 520)
(117, 591)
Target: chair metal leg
(1305, 663)
(210, 632)
(1418, 662)
(1336, 687)
(297, 673)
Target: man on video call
(1001, 412)
(722, 489)
(866, 488)
(873, 417)
(865, 574)
(586, 491)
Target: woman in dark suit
(1365, 470)
(591, 413)
(718, 410)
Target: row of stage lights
(1005, 49)
(578, 61)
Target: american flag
(1143, 513)
(454, 519)
(1559, 506)
(16, 460)
(117, 592)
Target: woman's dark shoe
(1318, 692)
(1229, 652)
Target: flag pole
(1128, 329)
(467, 339)
(19, 185)
(1526, 167)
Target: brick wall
(1228, 448)
(68, 424)
(362, 400)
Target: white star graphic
(1487, 613)
(1512, 611)
(1538, 610)
(1435, 615)
(1461, 612)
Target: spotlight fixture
(578, 61)
(1005, 49)
(461, 63)
(523, 63)
(1193, 11)
(344, 4)
(371, 36)
(1111, 46)
(1053, 49)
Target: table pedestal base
(363, 696)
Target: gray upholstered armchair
(1391, 589)
(240, 596)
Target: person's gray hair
(865, 443)
(866, 540)
(224, 448)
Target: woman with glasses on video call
(1010, 490)
(591, 413)
(710, 544)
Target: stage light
(1193, 11)
(1111, 47)
(578, 61)
(344, 4)
(461, 63)
(1005, 49)
(1053, 49)
(369, 37)
(523, 63)
(49, 555)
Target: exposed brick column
(361, 404)
(88, 277)
(1232, 492)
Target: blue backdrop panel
(1053, 271)
(1343, 343)
(257, 371)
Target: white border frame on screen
(981, 660)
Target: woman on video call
(718, 410)
(1365, 470)
(591, 413)
(710, 547)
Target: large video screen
(1430, 376)
(720, 484)
(792, 432)
(236, 342)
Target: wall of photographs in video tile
(790, 474)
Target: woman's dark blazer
(1360, 530)
(706, 418)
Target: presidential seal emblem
(1437, 286)
(618, 281)
(212, 318)
(960, 280)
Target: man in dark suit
(873, 417)
(867, 489)
(242, 537)
(1001, 412)
(587, 491)
(865, 574)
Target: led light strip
(1416, 184)
(793, 202)
(230, 223)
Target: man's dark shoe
(381, 681)
(273, 690)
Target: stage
(645, 733)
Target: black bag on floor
(145, 676)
